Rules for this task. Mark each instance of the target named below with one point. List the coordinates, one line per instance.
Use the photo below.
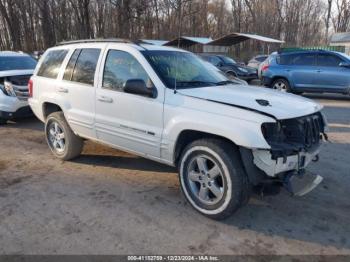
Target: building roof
(236, 38)
(340, 38)
(187, 41)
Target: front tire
(212, 178)
(63, 143)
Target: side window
(304, 59)
(85, 66)
(297, 59)
(328, 60)
(51, 64)
(120, 66)
(214, 60)
(71, 64)
(285, 59)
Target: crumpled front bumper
(263, 160)
(290, 169)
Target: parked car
(257, 60)
(230, 67)
(309, 71)
(265, 63)
(165, 104)
(15, 71)
(234, 80)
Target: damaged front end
(294, 144)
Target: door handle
(63, 90)
(105, 99)
(319, 71)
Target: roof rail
(100, 40)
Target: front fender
(242, 132)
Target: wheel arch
(188, 136)
(281, 77)
(49, 108)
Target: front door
(330, 76)
(128, 121)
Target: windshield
(17, 63)
(228, 60)
(186, 70)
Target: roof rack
(101, 40)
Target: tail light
(265, 68)
(30, 88)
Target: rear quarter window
(50, 66)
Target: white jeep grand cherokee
(165, 104)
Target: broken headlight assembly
(290, 136)
(7, 88)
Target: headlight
(7, 89)
(242, 69)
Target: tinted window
(297, 59)
(328, 60)
(121, 66)
(214, 60)
(51, 64)
(228, 60)
(71, 64)
(260, 58)
(84, 70)
(16, 63)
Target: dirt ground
(109, 202)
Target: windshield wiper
(226, 82)
(194, 82)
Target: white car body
(151, 127)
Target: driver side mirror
(139, 87)
(345, 64)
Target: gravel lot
(109, 202)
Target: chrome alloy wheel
(280, 86)
(56, 137)
(206, 180)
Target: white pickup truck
(165, 104)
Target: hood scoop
(263, 102)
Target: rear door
(78, 88)
(330, 76)
(301, 69)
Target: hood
(280, 105)
(16, 73)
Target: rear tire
(212, 178)
(63, 143)
(281, 84)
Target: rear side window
(297, 59)
(50, 67)
(261, 58)
(82, 66)
(328, 60)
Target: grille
(21, 92)
(312, 129)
